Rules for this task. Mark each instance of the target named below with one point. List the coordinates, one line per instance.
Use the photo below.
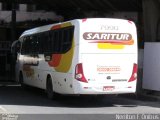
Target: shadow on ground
(15, 95)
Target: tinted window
(54, 41)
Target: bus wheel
(49, 88)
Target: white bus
(80, 57)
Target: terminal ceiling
(77, 7)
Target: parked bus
(83, 56)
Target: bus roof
(36, 30)
(47, 27)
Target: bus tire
(49, 88)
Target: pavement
(143, 94)
(8, 83)
(155, 96)
(2, 110)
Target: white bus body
(102, 59)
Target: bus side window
(56, 42)
(41, 48)
(27, 45)
(60, 40)
(48, 42)
(39, 45)
(23, 48)
(68, 36)
(34, 44)
(52, 39)
(31, 44)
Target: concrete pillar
(151, 10)
(13, 22)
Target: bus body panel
(104, 74)
(108, 54)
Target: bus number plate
(108, 88)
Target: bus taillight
(134, 73)
(79, 75)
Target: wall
(23, 16)
(151, 16)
